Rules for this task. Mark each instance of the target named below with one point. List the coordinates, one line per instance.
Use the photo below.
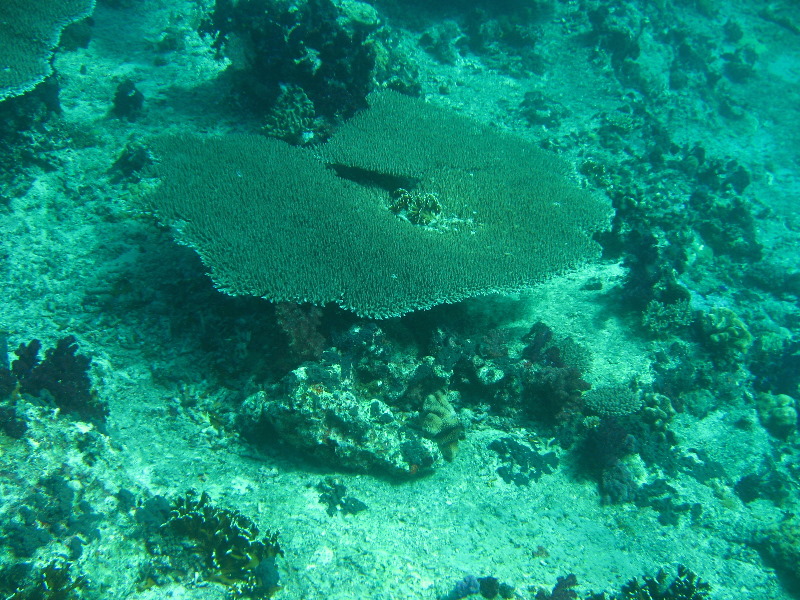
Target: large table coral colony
(484, 212)
(352, 192)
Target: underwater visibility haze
(399, 300)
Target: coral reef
(539, 110)
(11, 423)
(128, 101)
(466, 587)
(781, 543)
(491, 587)
(552, 379)
(442, 41)
(679, 209)
(602, 452)
(561, 591)
(505, 35)
(626, 88)
(662, 497)
(487, 587)
(769, 483)
(53, 511)
(319, 412)
(776, 364)
(729, 226)
(620, 452)
(685, 585)
(301, 324)
(314, 46)
(131, 163)
(7, 380)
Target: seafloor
(685, 115)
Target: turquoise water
(336, 299)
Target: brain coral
(286, 224)
(28, 33)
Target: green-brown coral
(419, 208)
(726, 334)
(726, 330)
(53, 581)
(292, 118)
(228, 542)
(778, 413)
(440, 422)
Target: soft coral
(63, 373)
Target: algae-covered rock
(782, 544)
(321, 415)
